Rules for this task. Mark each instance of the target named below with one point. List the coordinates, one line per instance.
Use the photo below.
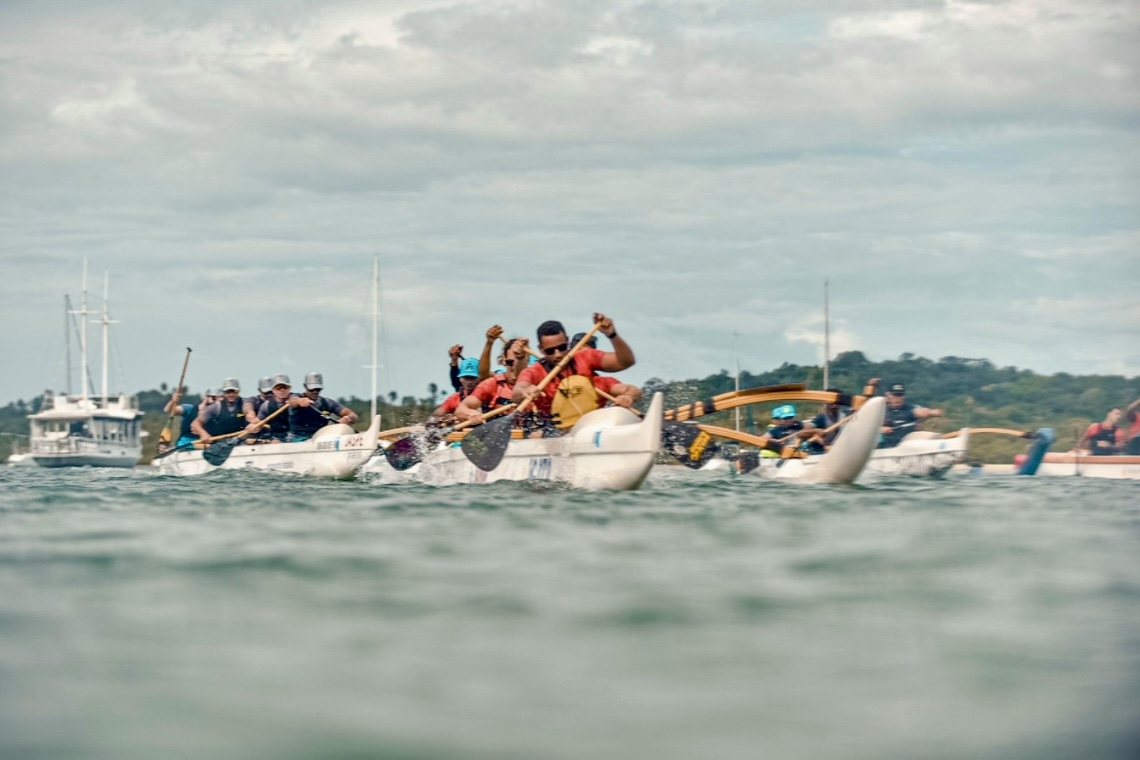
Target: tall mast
(83, 337)
(375, 328)
(826, 336)
(106, 329)
(67, 337)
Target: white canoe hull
(1086, 466)
(920, 454)
(845, 461)
(608, 449)
(335, 451)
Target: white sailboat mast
(826, 336)
(106, 330)
(375, 329)
(67, 338)
(83, 338)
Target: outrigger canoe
(607, 449)
(844, 462)
(1084, 464)
(335, 451)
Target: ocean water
(243, 615)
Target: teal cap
(469, 368)
(785, 412)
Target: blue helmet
(785, 412)
(469, 368)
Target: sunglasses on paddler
(555, 349)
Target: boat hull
(335, 452)
(845, 461)
(608, 449)
(87, 460)
(921, 454)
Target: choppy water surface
(250, 616)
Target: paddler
(312, 411)
(783, 429)
(818, 430)
(571, 393)
(624, 394)
(468, 377)
(498, 389)
(901, 418)
(1104, 438)
(224, 416)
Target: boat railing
(76, 445)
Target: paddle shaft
(610, 398)
(529, 348)
(178, 392)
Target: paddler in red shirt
(623, 394)
(498, 389)
(575, 381)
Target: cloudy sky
(966, 175)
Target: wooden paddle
(167, 435)
(486, 445)
(217, 453)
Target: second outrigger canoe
(844, 462)
(608, 449)
(335, 451)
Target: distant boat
(80, 430)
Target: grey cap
(213, 392)
(265, 384)
(314, 381)
(231, 384)
(282, 380)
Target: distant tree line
(971, 392)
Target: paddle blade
(688, 444)
(405, 453)
(217, 453)
(486, 445)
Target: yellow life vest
(575, 396)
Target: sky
(964, 175)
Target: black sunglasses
(555, 349)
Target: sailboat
(82, 430)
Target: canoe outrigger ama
(608, 448)
(335, 451)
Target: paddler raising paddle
(498, 389)
(571, 393)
